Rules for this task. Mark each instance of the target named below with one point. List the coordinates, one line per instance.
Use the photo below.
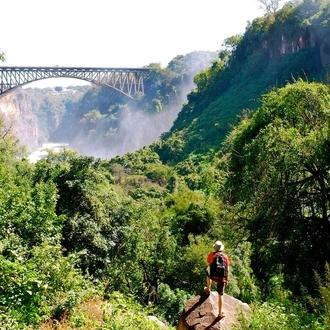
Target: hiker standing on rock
(217, 271)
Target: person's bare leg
(208, 284)
(220, 305)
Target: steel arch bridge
(128, 81)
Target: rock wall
(17, 114)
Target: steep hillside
(292, 43)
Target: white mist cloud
(137, 129)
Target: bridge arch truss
(128, 81)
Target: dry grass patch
(87, 316)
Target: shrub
(171, 303)
(268, 316)
(123, 313)
(38, 285)
(321, 304)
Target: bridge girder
(128, 81)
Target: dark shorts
(221, 287)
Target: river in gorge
(42, 152)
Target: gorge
(99, 121)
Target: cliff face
(16, 113)
(306, 40)
(297, 26)
(325, 54)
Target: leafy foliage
(279, 157)
(126, 314)
(271, 317)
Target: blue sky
(117, 33)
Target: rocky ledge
(200, 312)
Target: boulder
(201, 312)
(157, 321)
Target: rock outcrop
(201, 313)
(17, 115)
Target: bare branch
(270, 6)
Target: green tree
(146, 254)
(279, 173)
(94, 213)
(190, 212)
